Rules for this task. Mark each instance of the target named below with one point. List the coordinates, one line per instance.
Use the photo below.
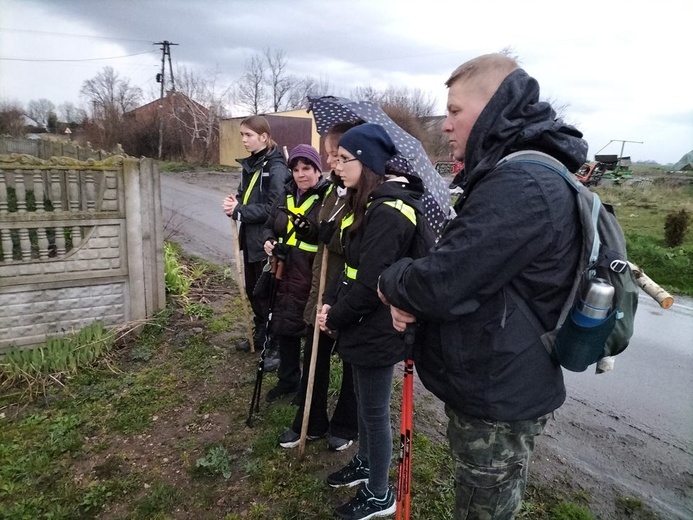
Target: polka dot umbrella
(411, 157)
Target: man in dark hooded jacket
(495, 282)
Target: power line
(81, 59)
(72, 35)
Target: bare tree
(11, 118)
(200, 104)
(415, 101)
(110, 96)
(280, 82)
(40, 110)
(411, 109)
(308, 86)
(365, 94)
(251, 88)
(68, 112)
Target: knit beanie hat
(308, 153)
(370, 145)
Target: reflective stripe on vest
(251, 185)
(300, 210)
(347, 221)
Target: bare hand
(400, 319)
(269, 247)
(322, 318)
(229, 204)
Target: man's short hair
(487, 72)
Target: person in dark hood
(378, 228)
(291, 235)
(495, 282)
(262, 182)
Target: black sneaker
(366, 505)
(355, 472)
(291, 439)
(278, 392)
(337, 443)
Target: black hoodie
(366, 335)
(499, 275)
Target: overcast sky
(622, 69)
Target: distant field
(642, 211)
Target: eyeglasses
(343, 160)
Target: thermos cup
(595, 303)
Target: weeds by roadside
(164, 435)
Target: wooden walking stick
(241, 283)
(313, 358)
(651, 288)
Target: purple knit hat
(308, 153)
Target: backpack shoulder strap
(541, 159)
(585, 196)
(590, 233)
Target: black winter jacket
(499, 275)
(366, 336)
(332, 210)
(294, 287)
(254, 211)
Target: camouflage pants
(491, 461)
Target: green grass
(179, 167)
(161, 429)
(642, 214)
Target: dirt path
(617, 468)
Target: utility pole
(161, 78)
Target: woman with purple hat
(291, 234)
(378, 229)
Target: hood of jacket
(515, 119)
(256, 160)
(410, 192)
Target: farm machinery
(604, 166)
(616, 167)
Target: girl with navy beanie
(378, 229)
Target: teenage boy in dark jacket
(495, 282)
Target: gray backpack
(603, 257)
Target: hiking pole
(241, 282)
(405, 440)
(277, 270)
(308, 401)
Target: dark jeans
(289, 371)
(344, 419)
(373, 386)
(491, 461)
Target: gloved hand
(281, 251)
(303, 226)
(326, 231)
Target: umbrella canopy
(411, 157)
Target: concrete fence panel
(80, 241)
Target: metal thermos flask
(595, 303)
